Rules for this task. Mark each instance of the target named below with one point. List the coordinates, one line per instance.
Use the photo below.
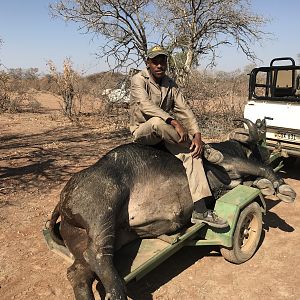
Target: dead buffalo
(142, 191)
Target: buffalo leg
(81, 278)
(99, 256)
(253, 168)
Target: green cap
(155, 51)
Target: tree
(193, 27)
(199, 27)
(124, 24)
(68, 88)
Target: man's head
(157, 59)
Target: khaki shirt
(148, 99)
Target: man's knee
(164, 130)
(157, 123)
(157, 128)
(160, 127)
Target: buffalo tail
(53, 228)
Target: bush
(217, 99)
(68, 84)
(34, 106)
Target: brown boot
(212, 155)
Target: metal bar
(58, 249)
(279, 167)
(157, 259)
(204, 243)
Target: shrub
(34, 106)
(68, 88)
(217, 99)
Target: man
(154, 96)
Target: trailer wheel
(246, 235)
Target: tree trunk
(189, 61)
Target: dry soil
(39, 153)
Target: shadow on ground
(50, 158)
(291, 168)
(175, 265)
(272, 220)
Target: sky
(31, 37)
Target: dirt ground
(39, 153)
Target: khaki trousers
(156, 130)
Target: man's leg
(155, 130)
(198, 185)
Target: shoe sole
(213, 161)
(196, 221)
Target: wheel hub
(246, 230)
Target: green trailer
(243, 207)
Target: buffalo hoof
(113, 296)
(265, 186)
(286, 193)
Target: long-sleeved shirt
(148, 99)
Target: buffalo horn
(253, 132)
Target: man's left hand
(196, 147)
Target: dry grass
(217, 99)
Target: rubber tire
(241, 253)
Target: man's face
(157, 66)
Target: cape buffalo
(142, 191)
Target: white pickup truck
(274, 95)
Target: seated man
(154, 96)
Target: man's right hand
(182, 132)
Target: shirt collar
(165, 81)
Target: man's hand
(182, 132)
(196, 146)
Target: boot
(212, 155)
(210, 218)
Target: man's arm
(182, 132)
(196, 147)
(184, 113)
(187, 117)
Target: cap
(157, 50)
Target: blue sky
(31, 37)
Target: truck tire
(246, 235)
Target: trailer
(242, 207)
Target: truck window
(283, 83)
